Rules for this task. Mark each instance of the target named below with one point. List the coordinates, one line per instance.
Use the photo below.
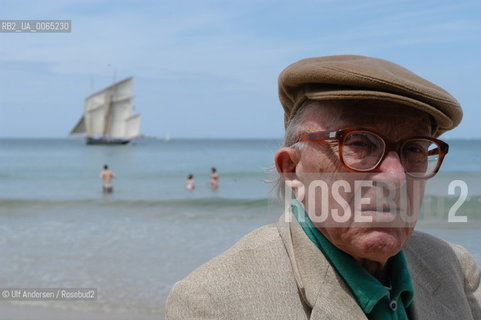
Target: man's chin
(376, 243)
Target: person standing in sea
(214, 179)
(107, 175)
(190, 182)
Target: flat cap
(350, 77)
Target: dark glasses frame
(322, 137)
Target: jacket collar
(312, 272)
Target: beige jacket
(276, 272)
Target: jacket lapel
(313, 272)
(426, 282)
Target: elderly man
(360, 143)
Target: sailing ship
(108, 117)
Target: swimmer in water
(190, 182)
(214, 179)
(107, 175)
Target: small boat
(108, 118)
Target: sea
(58, 230)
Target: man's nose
(391, 168)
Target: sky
(208, 69)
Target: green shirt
(376, 300)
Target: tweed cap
(350, 77)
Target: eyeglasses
(362, 150)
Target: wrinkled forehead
(377, 115)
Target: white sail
(123, 89)
(132, 127)
(79, 127)
(118, 91)
(95, 121)
(108, 113)
(95, 113)
(120, 111)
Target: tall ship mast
(108, 117)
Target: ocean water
(57, 229)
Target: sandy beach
(9, 312)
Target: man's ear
(286, 160)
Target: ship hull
(105, 141)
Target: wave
(434, 207)
(135, 203)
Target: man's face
(381, 196)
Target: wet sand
(10, 312)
